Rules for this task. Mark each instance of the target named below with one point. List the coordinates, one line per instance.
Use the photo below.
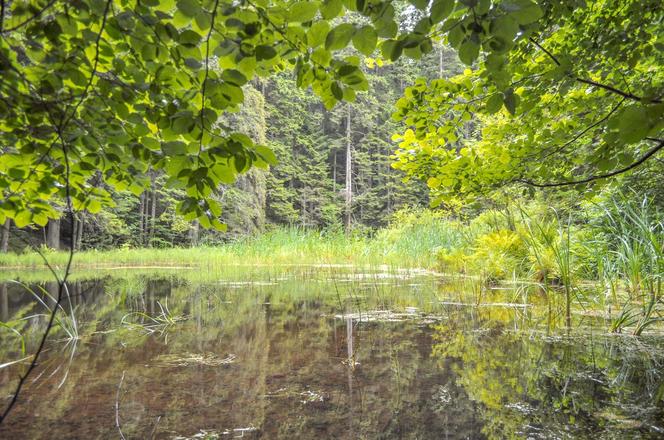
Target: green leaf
(528, 14)
(189, 38)
(494, 103)
(441, 9)
(93, 206)
(193, 63)
(317, 33)
(266, 154)
(302, 11)
(391, 49)
(321, 56)
(469, 51)
(203, 21)
(337, 91)
(149, 52)
(189, 7)
(356, 80)
(365, 40)
(505, 27)
(174, 148)
(455, 37)
(234, 77)
(419, 4)
(232, 93)
(386, 28)
(339, 37)
(183, 122)
(240, 162)
(634, 124)
(218, 226)
(331, 9)
(511, 101)
(349, 95)
(23, 218)
(40, 219)
(264, 52)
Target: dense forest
(463, 136)
(334, 218)
(307, 188)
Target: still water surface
(324, 352)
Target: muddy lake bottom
(321, 352)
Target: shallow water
(324, 352)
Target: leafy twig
(633, 165)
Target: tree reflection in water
(268, 359)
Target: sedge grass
(405, 248)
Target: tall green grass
(634, 233)
(616, 248)
(412, 240)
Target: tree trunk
(79, 232)
(4, 238)
(146, 218)
(334, 173)
(74, 232)
(141, 209)
(349, 180)
(388, 183)
(53, 234)
(303, 206)
(440, 62)
(193, 233)
(153, 219)
(4, 302)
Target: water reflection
(302, 356)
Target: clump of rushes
(635, 236)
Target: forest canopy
(97, 94)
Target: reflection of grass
(10, 328)
(66, 321)
(152, 324)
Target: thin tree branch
(640, 161)
(62, 283)
(28, 20)
(62, 288)
(617, 91)
(207, 71)
(584, 131)
(595, 83)
(543, 49)
(66, 119)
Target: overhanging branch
(636, 164)
(595, 83)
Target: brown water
(324, 354)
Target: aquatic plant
(635, 236)
(152, 324)
(65, 321)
